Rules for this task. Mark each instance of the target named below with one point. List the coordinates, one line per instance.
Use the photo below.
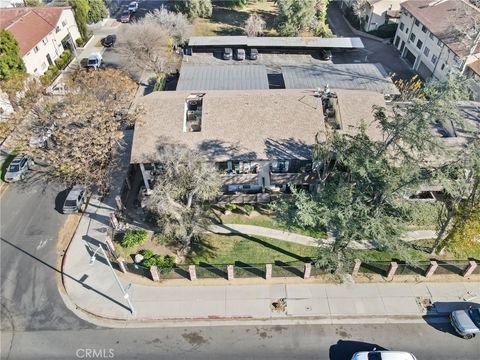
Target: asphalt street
(330, 342)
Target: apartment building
(378, 12)
(431, 36)
(43, 33)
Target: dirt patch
(151, 243)
(65, 235)
(279, 305)
(194, 338)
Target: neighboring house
(10, 3)
(43, 33)
(381, 12)
(430, 36)
(259, 140)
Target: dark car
(227, 54)
(325, 54)
(253, 54)
(109, 40)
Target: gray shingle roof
(226, 77)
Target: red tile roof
(475, 66)
(30, 25)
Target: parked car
(133, 7)
(466, 322)
(18, 168)
(126, 16)
(383, 355)
(240, 54)
(109, 40)
(227, 54)
(75, 199)
(94, 61)
(325, 54)
(253, 54)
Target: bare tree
(254, 25)
(177, 25)
(86, 127)
(148, 45)
(185, 182)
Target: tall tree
(185, 181)
(147, 45)
(361, 180)
(196, 8)
(360, 9)
(10, 61)
(254, 25)
(97, 11)
(81, 9)
(302, 15)
(177, 25)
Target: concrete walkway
(307, 240)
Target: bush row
(64, 59)
(164, 263)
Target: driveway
(374, 52)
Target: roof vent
(193, 113)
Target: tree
(81, 9)
(10, 61)
(360, 9)
(87, 126)
(302, 15)
(184, 183)
(177, 26)
(97, 11)
(148, 46)
(196, 8)
(362, 181)
(32, 3)
(254, 25)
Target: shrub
(147, 254)
(230, 207)
(63, 60)
(133, 238)
(164, 263)
(49, 75)
(248, 209)
(80, 42)
(352, 18)
(159, 83)
(385, 31)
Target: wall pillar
(230, 272)
(122, 264)
(431, 268)
(307, 269)
(268, 271)
(145, 178)
(193, 272)
(154, 273)
(356, 268)
(472, 265)
(392, 270)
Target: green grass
(461, 251)
(268, 222)
(227, 249)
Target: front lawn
(228, 249)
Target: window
(406, 31)
(45, 40)
(57, 29)
(35, 49)
(426, 51)
(434, 59)
(64, 23)
(402, 25)
(397, 41)
(443, 66)
(431, 37)
(412, 37)
(417, 23)
(419, 44)
(44, 65)
(439, 43)
(35, 71)
(424, 29)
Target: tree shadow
(183, 273)
(213, 269)
(345, 349)
(372, 268)
(287, 267)
(217, 148)
(228, 15)
(249, 268)
(60, 200)
(229, 31)
(287, 149)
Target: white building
(429, 39)
(378, 12)
(43, 33)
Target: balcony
(236, 179)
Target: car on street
(383, 355)
(75, 199)
(466, 322)
(126, 16)
(109, 40)
(253, 54)
(133, 7)
(240, 54)
(325, 54)
(18, 168)
(94, 61)
(227, 54)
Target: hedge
(385, 31)
(64, 59)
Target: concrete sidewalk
(93, 288)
